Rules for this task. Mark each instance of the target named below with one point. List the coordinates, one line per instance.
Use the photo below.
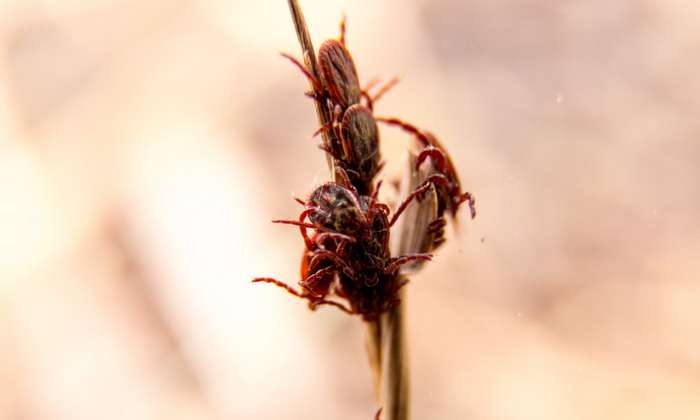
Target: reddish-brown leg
(337, 259)
(436, 154)
(337, 117)
(333, 235)
(420, 190)
(278, 283)
(379, 413)
(330, 151)
(342, 175)
(308, 282)
(375, 194)
(343, 21)
(406, 127)
(397, 262)
(295, 223)
(320, 302)
(437, 225)
(372, 83)
(315, 83)
(322, 129)
(438, 179)
(368, 100)
(402, 283)
(471, 202)
(384, 89)
(302, 229)
(382, 207)
(302, 226)
(372, 99)
(436, 228)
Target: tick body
(359, 137)
(338, 74)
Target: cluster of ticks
(346, 260)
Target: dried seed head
(414, 231)
(444, 175)
(338, 73)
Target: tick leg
(333, 235)
(379, 413)
(397, 262)
(337, 259)
(420, 190)
(437, 225)
(369, 103)
(328, 150)
(302, 229)
(278, 283)
(402, 283)
(471, 202)
(295, 223)
(422, 137)
(436, 154)
(383, 208)
(384, 89)
(313, 304)
(376, 190)
(372, 99)
(314, 82)
(337, 113)
(438, 179)
(322, 129)
(372, 83)
(344, 179)
(309, 280)
(302, 226)
(342, 29)
(436, 228)
(438, 242)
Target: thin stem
(373, 346)
(394, 372)
(372, 329)
(307, 51)
(384, 338)
(413, 237)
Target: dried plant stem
(373, 345)
(394, 390)
(410, 239)
(307, 51)
(385, 341)
(372, 329)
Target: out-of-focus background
(144, 147)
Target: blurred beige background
(145, 145)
